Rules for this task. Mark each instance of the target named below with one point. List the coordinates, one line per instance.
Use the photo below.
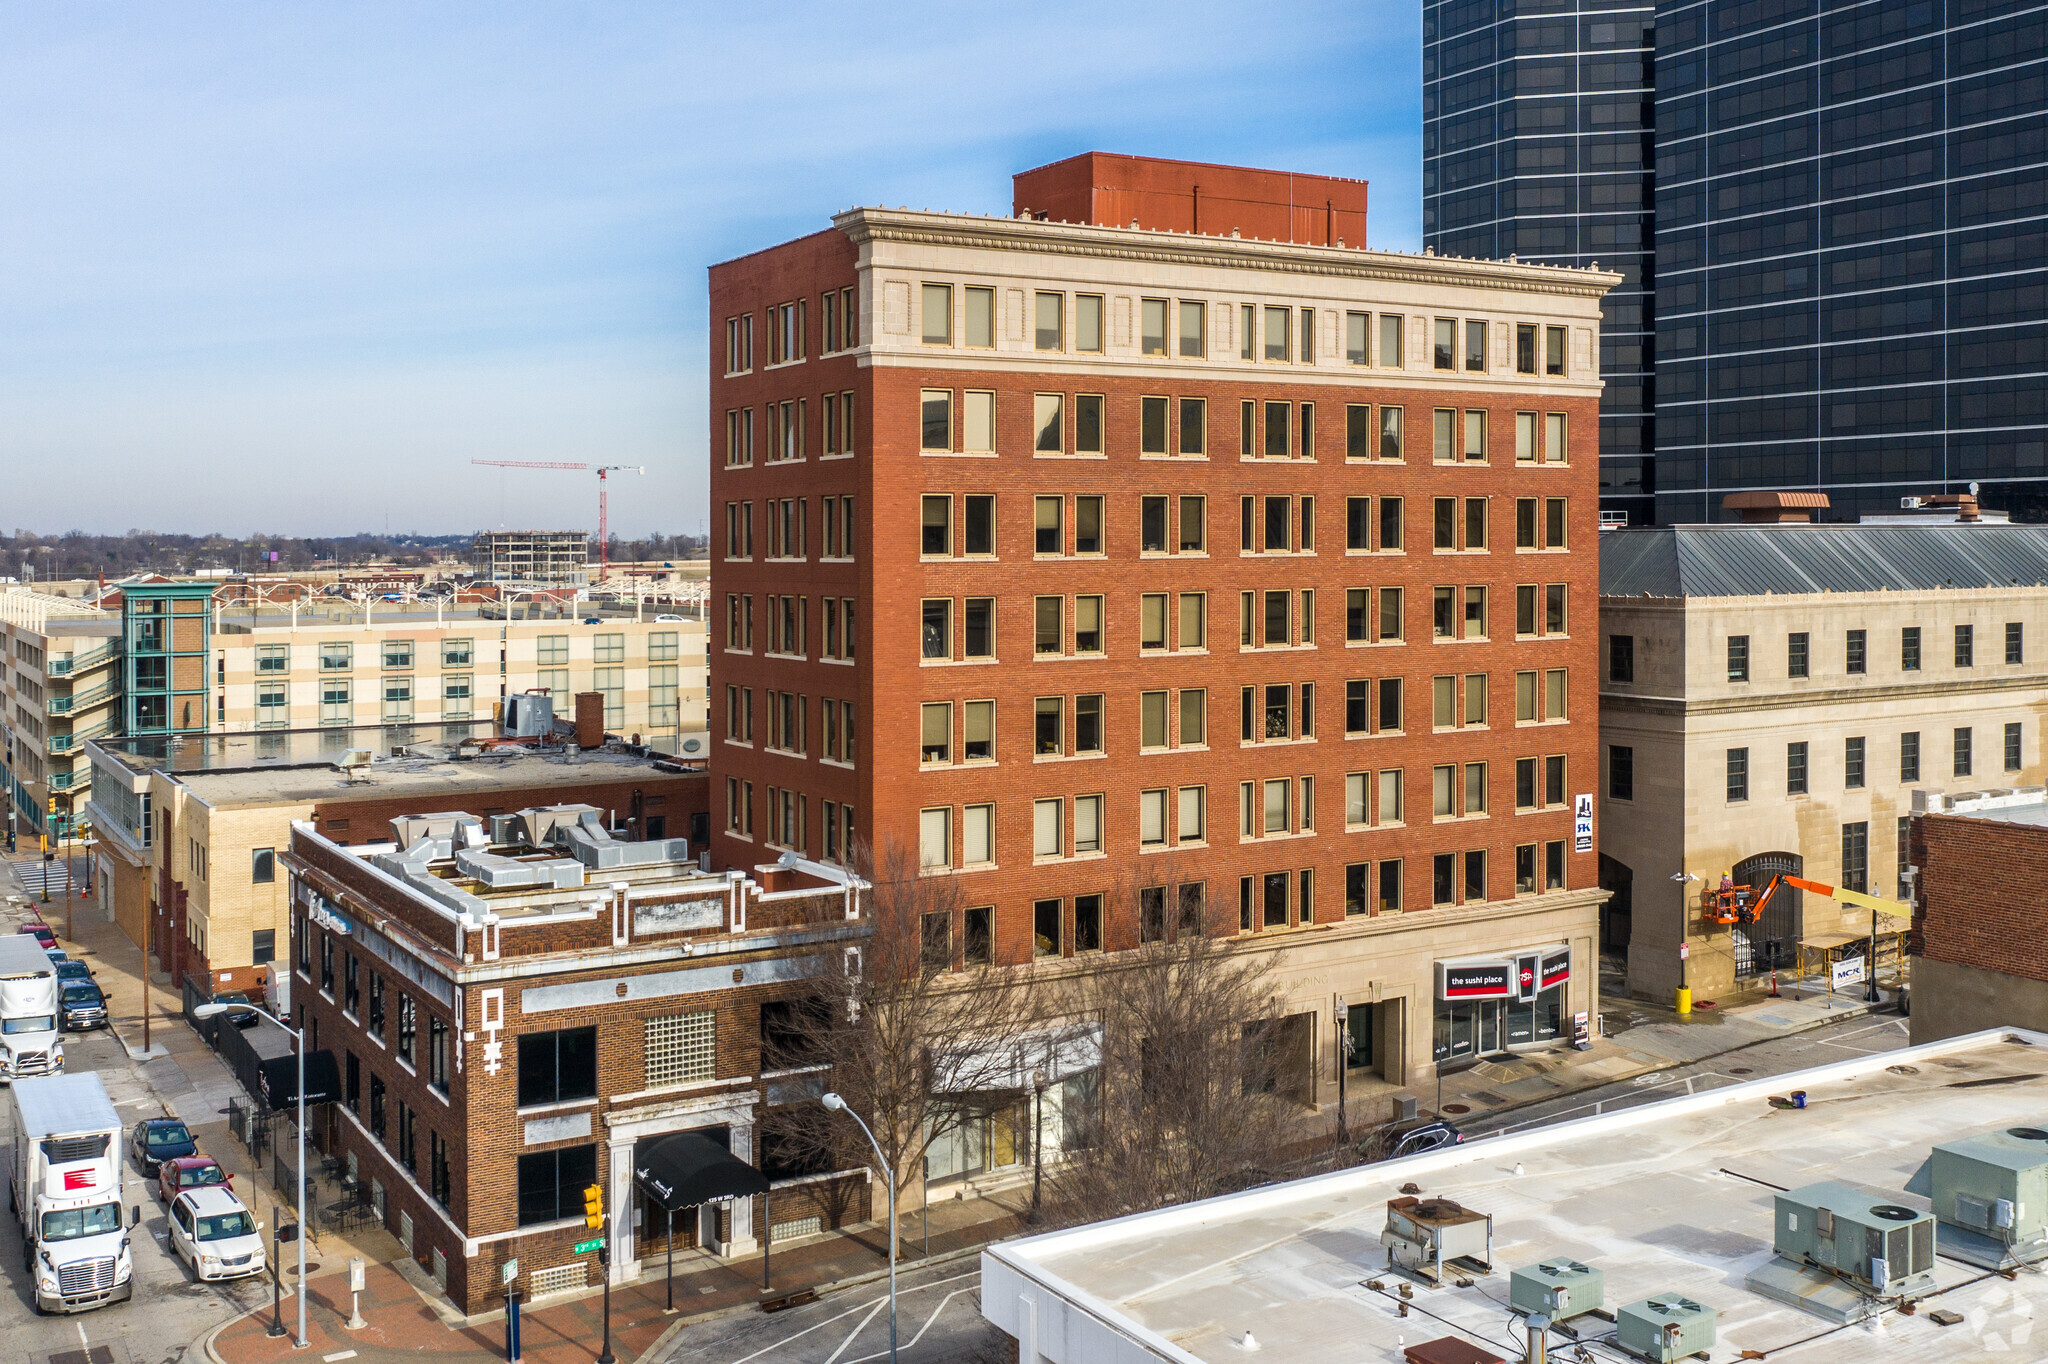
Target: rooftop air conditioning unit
(1558, 1289)
(1423, 1235)
(1910, 504)
(1664, 1328)
(1861, 1245)
(1990, 1194)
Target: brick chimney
(590, 719)
(1776, 508)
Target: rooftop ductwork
(590, 843)
(510, 873)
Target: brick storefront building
(1980, 863)
(1150, 576)
(515, 1002)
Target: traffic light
(593, 1207)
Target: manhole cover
(1457, 1108)
(1741, 1070)
(1903, 1070)
(312, 1267)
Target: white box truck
(65, 1186)
(29, 1041)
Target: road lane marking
(330, 1359)
(820, 1325)
(846, 1344)
(884, 1354)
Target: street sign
(1684, 950)
(1848, 971)
(581, 1246)
(509, 1270)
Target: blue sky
(290, 267)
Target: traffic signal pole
(596, 1219)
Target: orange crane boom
(604, 560)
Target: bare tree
(1189, 1100)
(914, 1038)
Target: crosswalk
(34, 876)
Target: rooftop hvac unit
(1839, 1248)
(1558, 1289)
(1664, 1328)
(1990, 1194)
(1426, 1235)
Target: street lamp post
(838, 1105)
(1037, 1138)
(214, 1009)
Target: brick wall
(1982, 883)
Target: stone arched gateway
(1772, 943)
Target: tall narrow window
(938, 314)
(1738, 774)
(1051, 319)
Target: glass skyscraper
(1847, 277)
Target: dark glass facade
(1850, 246)
(1536, 143)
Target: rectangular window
(1738, 774)
(1194, 316)
(1279, 333)
(978, 421)
(1553, 694)
(1152, 326)
(1475, 347)
(681, 1048)
(935, 838)
(1279, 444)
(2012, 747)
(936, 728)
(2015, 642)
(1088, 723)
(1795, 769)
(938, 314)
(1909, 649)
(980, 320)
(1048, 525)
(1390, 524)
(1856, 857)
(1525, 438)
(1475, 436)
(1194, 717)
(1152, 818)
(1048, 834)
(1553, 438)
(550, 1183)
(1446, 355)
(1088, 323)
(1049, 726)
(1621, 772)
(978, 731)
(1553, 522)
(1087, 923)
(936, 629)
(1392, 705)
(1553, 351)
(1358, 431)
(1088, 425)
(937, 425)
(1194, 426)
(1051, 331)
(1357, 337)
(1963, 756)
(554, 1067)
(1151, 620)
(1049, 422)
(937, 538)
(262, 866)
(1857, 656)
(1909, 756)
(1525, 348)
(1152, 719)
(1391, 356)
(1795, 654)
(1046, 935)
(1852, 763)
(1738, 658)
(1966, 647)
(980, 937)
(1390, 614)
(1444, 433)
(1087, 624)
(1194, 818)
(1087, 826)
(1152, 434)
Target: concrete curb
(205, 1342)
(1859, 1009)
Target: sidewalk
(1652, 1038)
(400, 1324)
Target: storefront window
(1479, 1013)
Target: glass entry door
(1489, 1026)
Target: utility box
(1664, 1328)
(1427, 1235)
(1883, 1248)
(1558, 1289)
(1993, 1188)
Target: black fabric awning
(279, 1076)
(684, 1169)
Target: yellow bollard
(1684, 999)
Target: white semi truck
(29, 1041)
(65, 1186)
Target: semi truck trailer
(65, 1186)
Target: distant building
(167, 634)
(60, 685)
(188, 829)
(532, 556)
(409, 666)
(1982, 867)
(1772, 698)
(519, 1003)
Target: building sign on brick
(1474, 979)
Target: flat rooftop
(1666, 1197)
(427, 768)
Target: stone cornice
(1641, 704)
(865, 226)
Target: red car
(190, 1172)
(43, 934)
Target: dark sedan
(157, 1140)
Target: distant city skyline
(291, 270)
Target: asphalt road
(169, 1311)
(938, 1318)
(1861, 1035)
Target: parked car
(190, 1172)
(43, 934)
(81, 1005)
(157, 1140)
(57, 955)
(593, 620)
(215, 1234)
(1409, 1137)
(69, 970)
(668, 620)
(242, 1018)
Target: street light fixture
(838, 1105)
(214, 1009)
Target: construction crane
(604, 553)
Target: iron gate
(1771, 943)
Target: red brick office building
(517, 1003)
(1191, 568)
